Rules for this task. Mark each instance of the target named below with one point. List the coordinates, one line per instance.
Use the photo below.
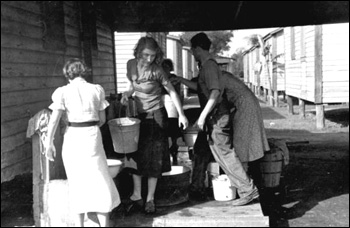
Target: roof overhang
(165, 16)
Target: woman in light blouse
(91, 188)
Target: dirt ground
(314, 189)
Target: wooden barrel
(271, 167)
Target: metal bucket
(190, 135)
(125, 134)
(114, 166)
(172, 187)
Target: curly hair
(150, 43)
(75, 68)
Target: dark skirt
(152, 157)
(173, 128)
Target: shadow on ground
(314, 189)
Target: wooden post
(270, 96)
(290, 105)
(320, 121)
(276, 98)
(301, 108)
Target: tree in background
(238, 60)
(252, 40)
(219, 39)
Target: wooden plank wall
(279, 62)
(103, 61)
(335, 65)
(266, 73)
(250, 66)
(30, 73)
(300, 72)
(124, 50)
(245, 67)
(292, 66)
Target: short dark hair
(168, 63)
(201, 40)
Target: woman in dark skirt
(146, 79)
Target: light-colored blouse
(81, 100)
(147, 87)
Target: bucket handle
(127, 114)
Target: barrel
(125, 134)
(271, 167)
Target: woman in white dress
(91, 188)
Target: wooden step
(193, 214)
(214, 214)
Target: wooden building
(272, 78)
(36, 40)
(189, 66)
(317, 66)
(174, 52)
(125, 43)
(38, 37)
(264, 67)
(252, 68)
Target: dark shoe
(247, 199)
(150, 208)
(133, 205)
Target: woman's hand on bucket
(183, 121)
(125, 98)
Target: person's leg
(201, 158)
(103, 219)
(137, 180)
(220, 145)
(174, 149)
(152, 185)
(135, 202)
(79, 220)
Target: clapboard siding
(124, 50)
(335, 56)
(335, 64)
(297, 82)
(30, 72)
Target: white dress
(91, 188)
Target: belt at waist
(83, 124)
